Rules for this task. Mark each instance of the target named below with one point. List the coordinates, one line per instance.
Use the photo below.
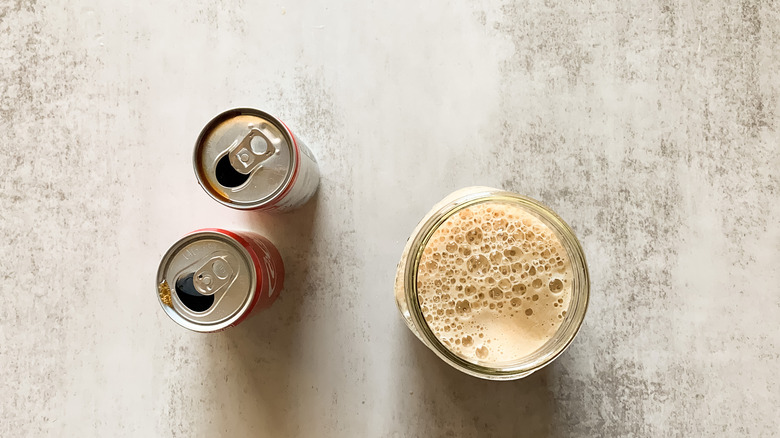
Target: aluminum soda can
(250, 160)
(212, 279)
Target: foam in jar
(494, 282)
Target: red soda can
(212, 279)
(250, 160)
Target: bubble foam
(494, 283)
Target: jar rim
(563, 336)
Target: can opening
(190, 297)
(227, 175)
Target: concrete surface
(652, 127)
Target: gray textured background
(650, 126)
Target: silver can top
(206, 281)
(244, 158)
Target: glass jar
(408, 301)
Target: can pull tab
(213, 276)
(248, 153)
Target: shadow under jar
(494, 283)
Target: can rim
(289, 179)
(244, 248)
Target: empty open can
(212, 279)
(248, 159)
